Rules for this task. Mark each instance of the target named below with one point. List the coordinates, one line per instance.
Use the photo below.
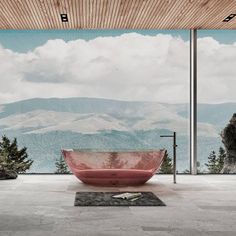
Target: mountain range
(45, 125)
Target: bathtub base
(114, 177)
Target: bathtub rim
(114, 151)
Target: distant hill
(215, 114)
(90, 115)
(47, 125)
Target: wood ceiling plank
(141, 12)
(125, 14)
(26, 14)
(55, 9)
(10, 22)
(3, 22)
(40, 17)
(18, 11)
(226, 9)
(148, 13)
(174, 11)
(84, 14)
(89, 12)
(71, 13)
(31, 16)
(206, 13)
(137, 7)
(10, 15)
(114, 14)
(78, 7)
(187, 13)
(66, 8)
(95, 12)
(42, 13)
(199, 16)
(160, 14)
(144, 10)
(117, 14)
(110, 8)
(52, 6)
(157, 12)
(103, 14)
(34, 14)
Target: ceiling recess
(64, 18)
(230, 17)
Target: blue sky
(26, 40)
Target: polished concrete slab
(35, 205)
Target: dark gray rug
(105, 199)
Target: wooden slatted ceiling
(117, 14)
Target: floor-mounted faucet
(174, 153)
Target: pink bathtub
(114, 168)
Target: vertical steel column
(174, 156)
(193, 101)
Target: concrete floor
(200, 205)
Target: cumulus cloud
(126, 67)
(216, 71)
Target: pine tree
(61, 167)
(7, 167)
(220, 160)
(167, 166)
(9, 149)
(212, 163)
(216, 163)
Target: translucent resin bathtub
(114, 168)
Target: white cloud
(126, 67)
(216, 73)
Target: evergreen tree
(212, 164)
(61, 167)
(7, 167)
(167, 166)
(220, 160)
(216, 163)
(12, 154)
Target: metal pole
(174, 153)
(193, 101)
(174, 156)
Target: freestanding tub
(114, 168)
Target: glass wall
(216, 93)
(103, 90)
